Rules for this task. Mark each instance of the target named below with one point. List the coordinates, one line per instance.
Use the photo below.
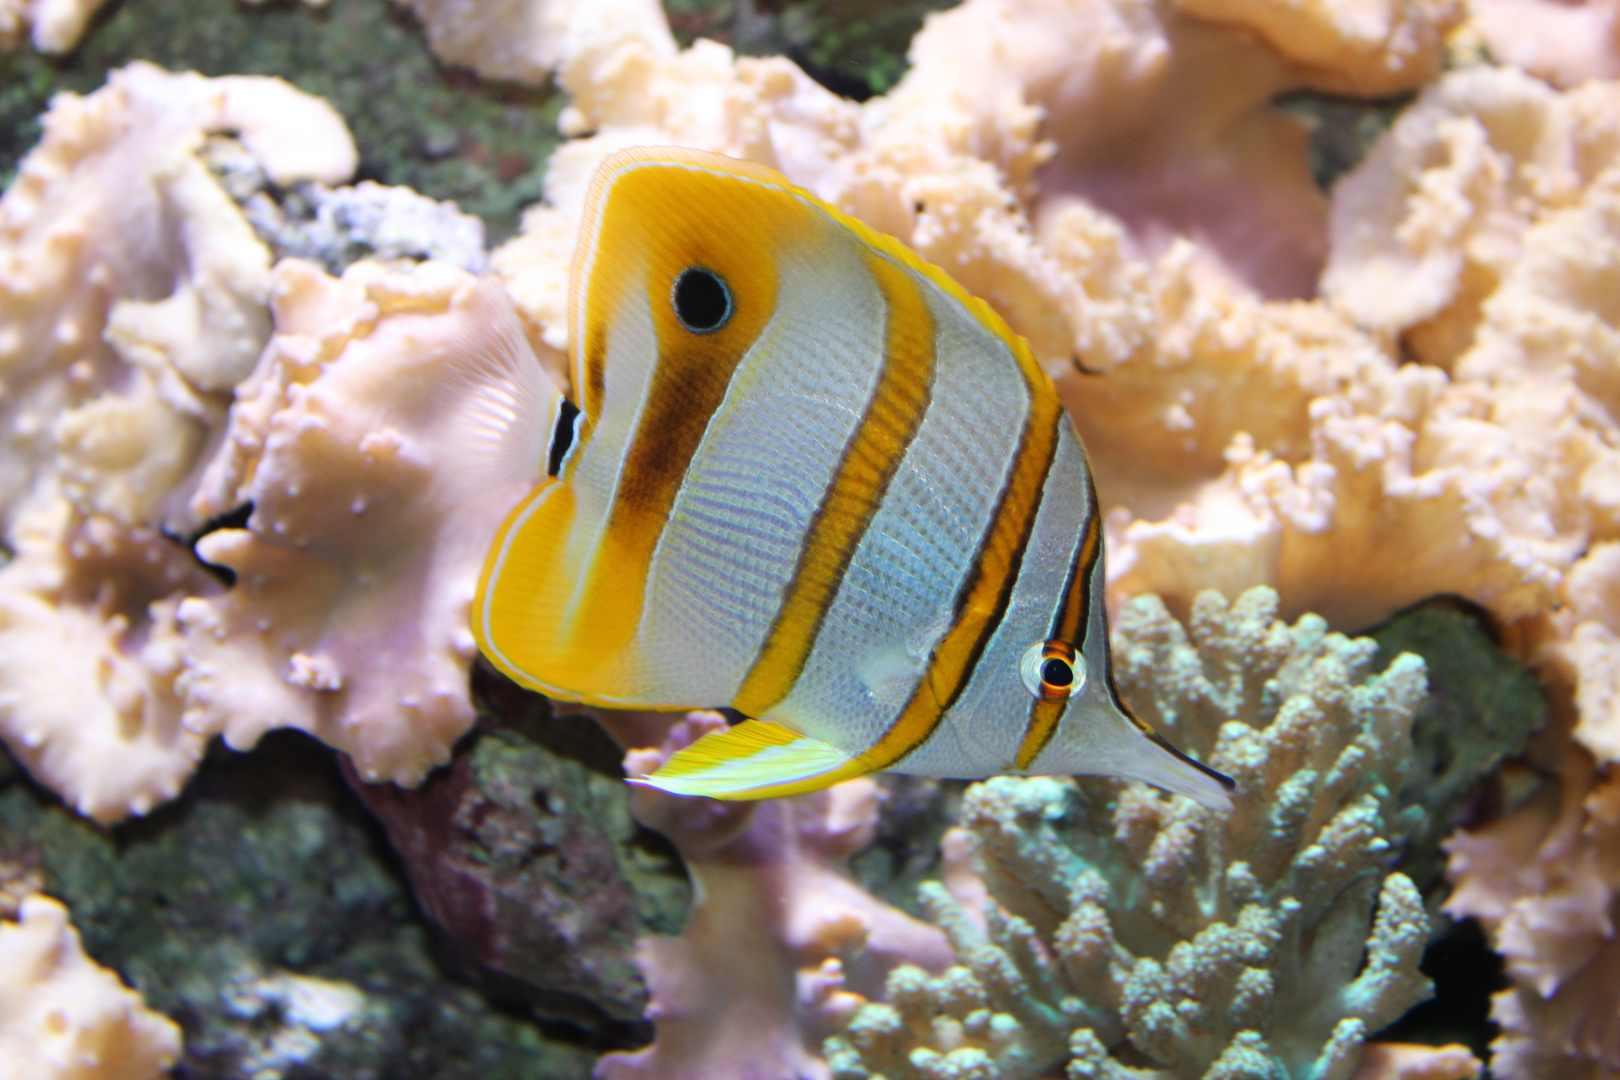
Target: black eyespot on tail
(562, 437)
(701, 300)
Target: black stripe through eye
(562, 436)
(701, 300)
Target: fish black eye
(701, 300)
(1052, 670)
(1057, 672)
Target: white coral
(89, 654)
(132, 300)
(132, 291)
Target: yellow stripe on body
(513, 623)
(873, 455)
(1044, 716)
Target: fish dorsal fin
(505, 405)
(757, 759)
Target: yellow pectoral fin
(757, 759)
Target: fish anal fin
(756, 759)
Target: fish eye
(701, 300)
(1051, 671)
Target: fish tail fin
(757, 759)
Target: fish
(805, 475)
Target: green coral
(1134, 934)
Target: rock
(524, 852)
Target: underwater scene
(809, 539)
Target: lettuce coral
(1565, 43)
(132, 290)
(1545, 882)
(90, 651)
(132, 297)
(370, 455)
(52, 26)
(64, 1018)
(998, 177)
(1138, 935)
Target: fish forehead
(649, 217)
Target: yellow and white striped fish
(808, 476)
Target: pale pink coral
(357, 442)
(1565, 42)
(132, 290)
(89, 654)
(1408, 1061)
(62, 1017)
(1482, 231)
(1546, 881)
(524, 40)
(1161, 119)
(53, 26)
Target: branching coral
(1132, 929)
(780, 936)
(64, 1018)
(361, 442)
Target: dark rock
(523, 850)
(262, 911)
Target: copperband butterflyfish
(804, 474)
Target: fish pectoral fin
(757, 759)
